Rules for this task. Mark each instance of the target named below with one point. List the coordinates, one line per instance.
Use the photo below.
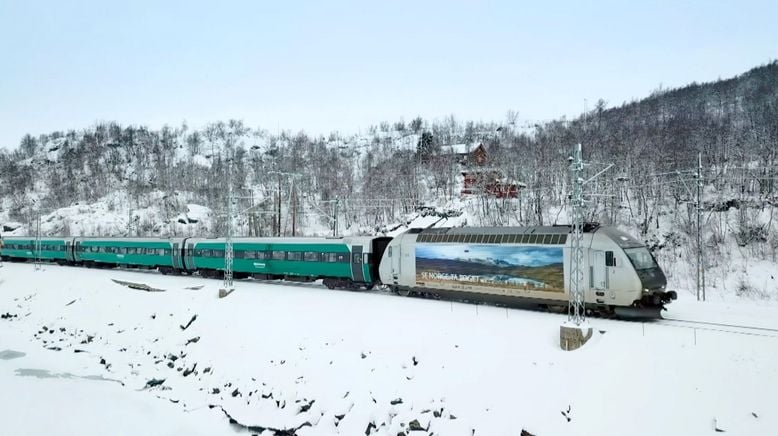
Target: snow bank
(279, 355)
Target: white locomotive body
(515, 264)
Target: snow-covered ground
(284, 356)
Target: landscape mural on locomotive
(517, 267)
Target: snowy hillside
(281, 356)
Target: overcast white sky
(344, 65)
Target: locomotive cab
(642, 280)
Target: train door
(598, 272)
(189, 263)
(177, 259)
(396, 261)
(356, 264)
(69, 250)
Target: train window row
(126, 250)
(44, 247)
(299, 256)
(555, 239)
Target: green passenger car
(344, 260)
(126, 251)
(27, 247)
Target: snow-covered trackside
(320, 362)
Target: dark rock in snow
(154, 382)
(306, 407)
(396, 401)
(526, 433)
(415, 426)
(194, 340)
(189, 371)
(194, 317)
(215, 391)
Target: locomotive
(506, 265)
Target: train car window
(546, 239)
(533, 239)
(422, 238)
(356, 258)
(311, 256)
(492, 239)
(279, 255)
(367, 258)
(218, 253)
(294, 255)
(248, 254)
(563, 239)
(609, 259)
(342, 258)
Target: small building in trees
(466, 154)
(489, 181)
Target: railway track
(719, 327)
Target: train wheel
(404, 292)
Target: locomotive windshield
(641, 258)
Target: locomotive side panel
(511, 270)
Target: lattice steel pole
(38, 241)
(576, 310)
(228, 253)
(700, 254)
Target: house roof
(455, 149)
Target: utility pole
(38, 265)
(576, 305)
(575, 332)
(278, 217)
(294, 209)
(227, 287)
(700, 255)
(335, 218)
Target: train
(503, 265)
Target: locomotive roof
(544, 230)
